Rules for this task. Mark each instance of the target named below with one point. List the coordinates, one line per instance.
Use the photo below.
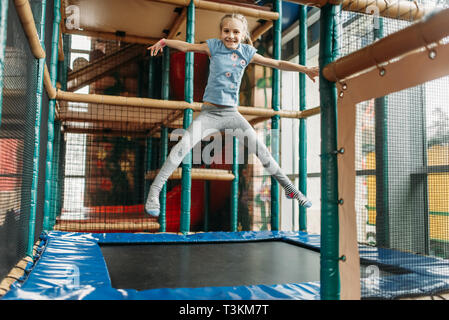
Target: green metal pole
(149, 158)
(55, 174)
(151, 78)
(163, 194)
(3, 29)
(275, 120)
(56, 183)
(49, 177)
(235, 184)
(186, 181)
(206, 203)
(165, 91)
(330, 280)
(37, 125)
(67, 44)
(165, 94)
(302, 122)
(149, 140)
(382, 189)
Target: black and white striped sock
(292, 192)
(152, 205)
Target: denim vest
(226, 69)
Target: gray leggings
(214, 119)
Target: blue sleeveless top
(225, 72)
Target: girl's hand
(159, 46)
(312, 73)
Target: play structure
(88, 118)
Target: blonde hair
(242, 19)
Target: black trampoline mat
(187, 265)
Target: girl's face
(232, 33)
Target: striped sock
(292, 193)
(152, 206)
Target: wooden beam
(112, 36)
(51, 91)
(164, 104)
(177, 25)
(172, 117)
(310, 112)
(264, 27)
(105, 123)
(166, 123)
(225, 8)
(25, 14)
(198, 174)
(258, 120)
(106, 132)
(401, 10)
(112, 225)
(60, 47)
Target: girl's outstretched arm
(178, 45)
(311, 72)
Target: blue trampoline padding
(61, 254)
(312, 241)
(428, 275)
(66, 254)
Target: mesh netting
(16, 143)
(402, 178)
(402, 183)
(103, 158)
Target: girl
(229, 57)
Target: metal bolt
(432, 54)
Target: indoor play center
(88, 117)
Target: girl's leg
(202, 126)
(247, 135)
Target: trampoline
(193, 265)
(221, 265)
(263, 265)
(165, 266)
